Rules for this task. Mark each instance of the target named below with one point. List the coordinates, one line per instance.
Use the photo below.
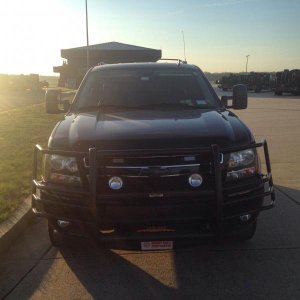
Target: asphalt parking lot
(267, 267)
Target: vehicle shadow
(24, 255)
(265, 267)
(106, 274)
(185, 272)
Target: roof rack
(179, 61)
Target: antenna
(183, 45)
(87, 37)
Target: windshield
(150, 89)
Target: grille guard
(217, 192)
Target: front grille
(150, 173)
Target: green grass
(13, 99)
(20, 129)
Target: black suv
(147, 152)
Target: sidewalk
(15, 224)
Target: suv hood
(149, 129)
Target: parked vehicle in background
(227, 82)
(258, 82)
(288, 82)
(254, 81)
(20, 83)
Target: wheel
(56, 238)
(278, 93)
(51, 101)
(247, 233)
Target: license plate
(157, 245)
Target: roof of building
(112, 52)
(112, 46)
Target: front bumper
(212, 210)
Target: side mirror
(239, 96)
(54, 104)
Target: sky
(218, 33)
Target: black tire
(278, 93)
(51, 101)
(56, 238)
(246, 233)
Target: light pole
(87, 38)
(247, 56)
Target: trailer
(254, 81)
(287, 82)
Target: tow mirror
(54, 104)
(239, 97)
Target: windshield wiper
(104, 107)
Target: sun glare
(31, 35)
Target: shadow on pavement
(267, 267)
(23, 256)
(292, 194)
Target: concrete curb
(15, 224)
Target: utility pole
(87, 37)
(247, 56)
(183, 39)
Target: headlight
(242, 164)
(61, 169)
(63, 163)
(241, 158)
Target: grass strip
(20, 130)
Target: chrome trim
(135, 176)
(129, 176)
(174, 175)
(222, 158)
(156, 195)
(152, 167)
(84, 162)
(157, 156)
(144, 176)
(179, 166)
(127, 167)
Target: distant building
(74, 68)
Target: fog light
(195, 180)
(115, 183)
(62, 223)
(245, 218)
(240, 174)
